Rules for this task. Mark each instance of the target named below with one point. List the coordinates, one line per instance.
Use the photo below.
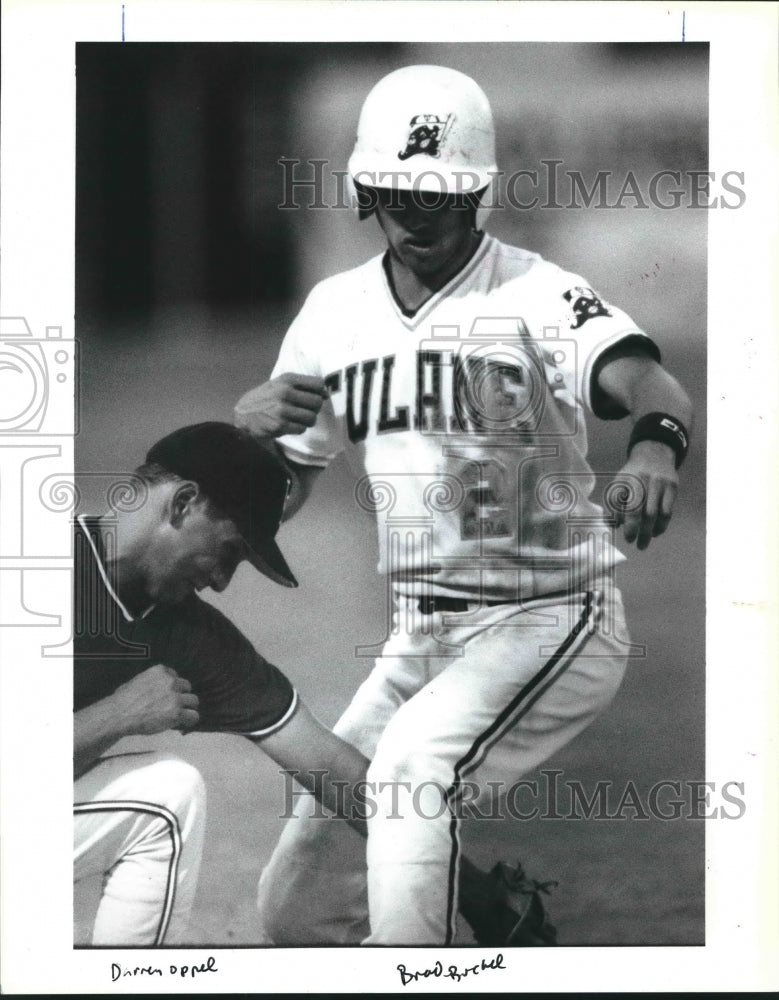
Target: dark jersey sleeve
(238, 690)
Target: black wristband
(664, 428)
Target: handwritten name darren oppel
(452, 972)
(119, 972)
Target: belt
(428, 605)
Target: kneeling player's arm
(322, 763)
(152, 702)
(95, 729)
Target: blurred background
(188, 272)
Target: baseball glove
(517, 918)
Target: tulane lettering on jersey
(464, 423)
(469, 389)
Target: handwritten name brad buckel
(453, 972)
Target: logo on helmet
(585, 305)
(426, 136)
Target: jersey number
(484, 513)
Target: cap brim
(271, 563)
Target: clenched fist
(156, 700)
(284, 405)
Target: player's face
(432, 241)
(195, 550)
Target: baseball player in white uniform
(455, 372)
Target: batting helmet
(427, 129)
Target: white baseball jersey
(464, 422)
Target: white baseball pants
(138, 826)
(441, 730)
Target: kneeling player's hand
(651, 484)
(156, 700)
(285, 405)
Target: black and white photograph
(375, 480)
(213, 194)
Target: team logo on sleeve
(585, 305)
(427, 133)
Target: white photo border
(38, 182)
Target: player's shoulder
(530, 261)
(194, 621)
(514, 262)
(353, 281)
(510, 253)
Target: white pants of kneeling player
(527, 682)
(138, 826)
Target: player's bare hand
(285, 405)
(156, 700)
(650, 492)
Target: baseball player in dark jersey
(150, 655)
(457, 373)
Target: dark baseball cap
(242, 476)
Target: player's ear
(181, 502)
